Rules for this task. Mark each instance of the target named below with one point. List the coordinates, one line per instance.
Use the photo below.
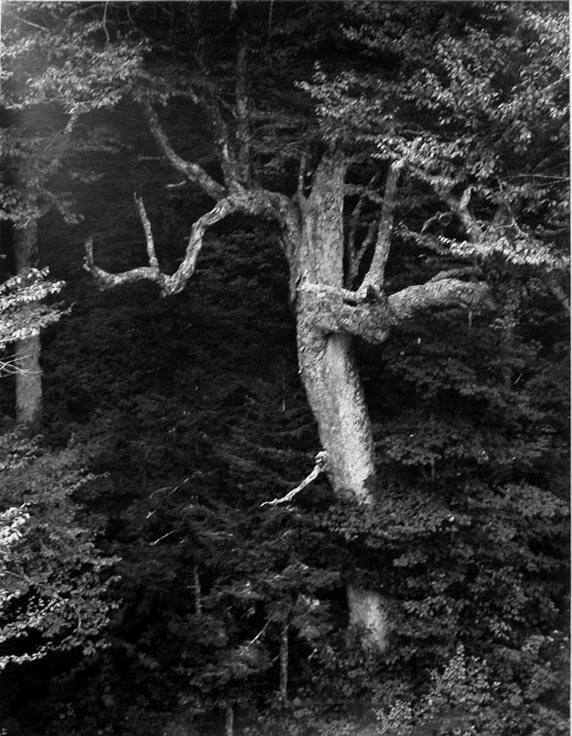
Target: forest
(284, 368)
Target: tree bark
(28, 351)
(326, 361)
(329, 373)
(283, 689)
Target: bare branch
(155, 542)
(9, 366)
(255, 203)
(106, 280)
(149, 241)
(191, 171)
(455, 273)
(319, 468)
(260, 633)
(445, 292)
(376, 274)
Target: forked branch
(253, 203)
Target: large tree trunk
(329, 372)
(336, 398)
(28, 351)
(327, 315)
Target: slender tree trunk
(284, 665)
(28, 351)
(197, 591)
(229, 721)
(330, 375)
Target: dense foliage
(143, 587)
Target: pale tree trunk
(28, 351)
(326, 361)
(330, 375)
(283, 689)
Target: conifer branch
(319, 468)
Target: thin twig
(260, 633)
(160, 539)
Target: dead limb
(244, 202)
(319, 468)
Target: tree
(37, 148)
(360, 128)
(22, 314)
(53, 580)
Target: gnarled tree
(330, 310)
(430, 121)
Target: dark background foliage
(188, 413)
